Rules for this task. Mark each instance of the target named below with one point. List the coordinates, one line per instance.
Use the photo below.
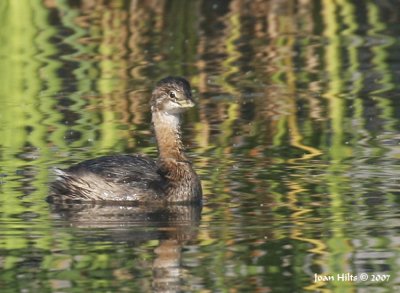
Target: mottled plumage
(137, 178)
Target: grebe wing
(136, 170)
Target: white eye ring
(172, 94)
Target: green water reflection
(296, 138)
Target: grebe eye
(172, 95)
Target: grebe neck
(168, 135)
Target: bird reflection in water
(173, 225)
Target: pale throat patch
(167, 119)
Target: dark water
(296, 137)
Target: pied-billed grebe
(138, 178)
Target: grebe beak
(187, 103)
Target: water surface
(295, 136)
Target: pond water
(296, 137)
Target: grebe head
(172, 95)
